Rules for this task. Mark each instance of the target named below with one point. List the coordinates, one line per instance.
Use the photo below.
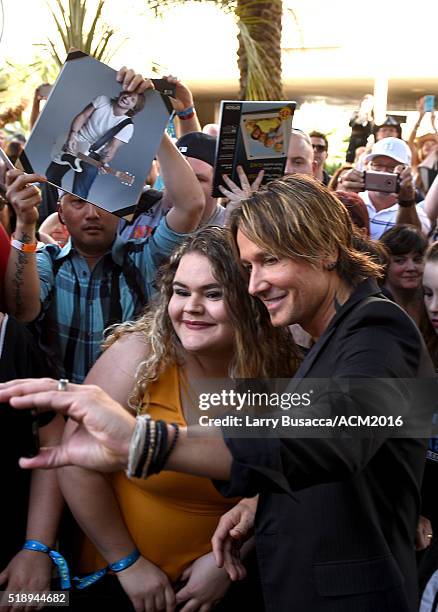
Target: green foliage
(332, 167)
(256, 74)
(260, 85)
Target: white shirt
(217, 218)
(101, 121)
(382, 220)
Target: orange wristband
(22, 246)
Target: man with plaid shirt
(97, 279)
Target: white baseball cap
(391, 147)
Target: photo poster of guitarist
(95, 140)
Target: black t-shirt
(19, 358)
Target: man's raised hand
(24, 196)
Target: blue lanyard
(56, 557)
(117, 566)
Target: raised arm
(35, 112)
(22, 284)
(182, 187)
(183, 105)
(413, 134)
(407, 212)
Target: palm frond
(71, 19)
(55, 53)
(160, 6)
(62, 31)
(92, 31)
(259, 83)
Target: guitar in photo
(73, 160)
(94, 137)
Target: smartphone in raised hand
(429, 104)
(164, 87)
(385, 182)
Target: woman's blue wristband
(117, 566)
(56, 557)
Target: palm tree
(259, 53)
(81, 26)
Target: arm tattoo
(22, 260)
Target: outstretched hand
(236, 193)
(102, 436)
(24, 195)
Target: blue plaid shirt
(79, 303)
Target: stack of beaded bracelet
(149, 451)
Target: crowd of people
(109, 322)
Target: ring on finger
(62, 384)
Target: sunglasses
(319, 148)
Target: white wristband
(23, 246)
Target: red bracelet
(186, 117)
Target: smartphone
(386, 182)
(429, 104)
(164, 87)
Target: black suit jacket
(336, 519)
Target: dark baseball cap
(198, 145)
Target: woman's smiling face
(197, 308)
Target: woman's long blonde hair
(261, 351)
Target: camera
(164, 87)
(386, 182)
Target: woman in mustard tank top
(203, 325)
